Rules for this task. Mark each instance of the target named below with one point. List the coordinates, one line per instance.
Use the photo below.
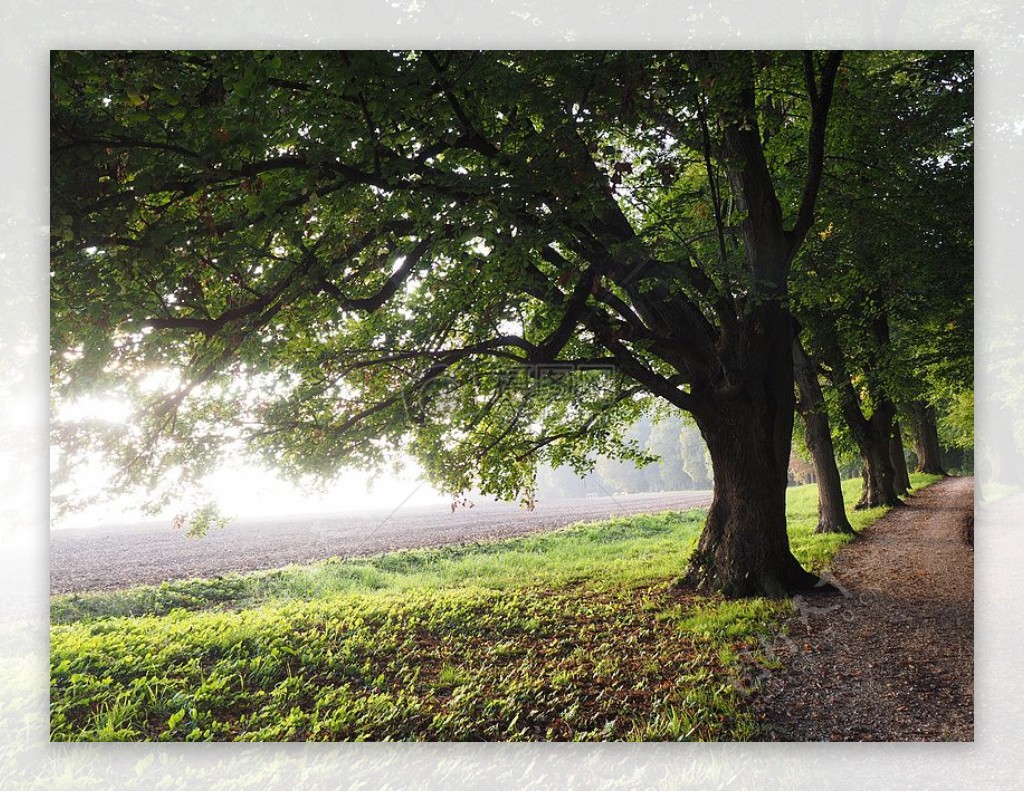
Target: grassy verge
(815, 551)
(572, 635)
(622, 550)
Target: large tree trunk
(879, 476)
(926, 438)
(746, 402)
(744, 548)
(818, 437)
(901, 476)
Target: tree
(486, 259)
(886, 289)
(818, 439)
(871, 431)
(898, 459)
(926, 438)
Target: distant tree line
(682, 461)
(682, 464)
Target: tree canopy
(885, 291)
(485, 259)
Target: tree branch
(388, 290)
(657, 384)
(472, 137)
(579, 431)
(821, 101)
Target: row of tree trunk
(879, 439)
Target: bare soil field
(117, 556)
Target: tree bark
(901, 476)
(878, 473)
(872, 435)
(744, 402)
(818, 437)
(744, 548)
(926, 438)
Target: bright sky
(245, 491)
(250, 492)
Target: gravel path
(890, 657)
(113, 557)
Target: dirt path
(891, 656)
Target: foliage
(320, 258)
(447, 644)
(885, 291)
(956, 425)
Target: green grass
(571, 635)
(815, 551)
(630, 550)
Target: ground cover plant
(578, 634)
